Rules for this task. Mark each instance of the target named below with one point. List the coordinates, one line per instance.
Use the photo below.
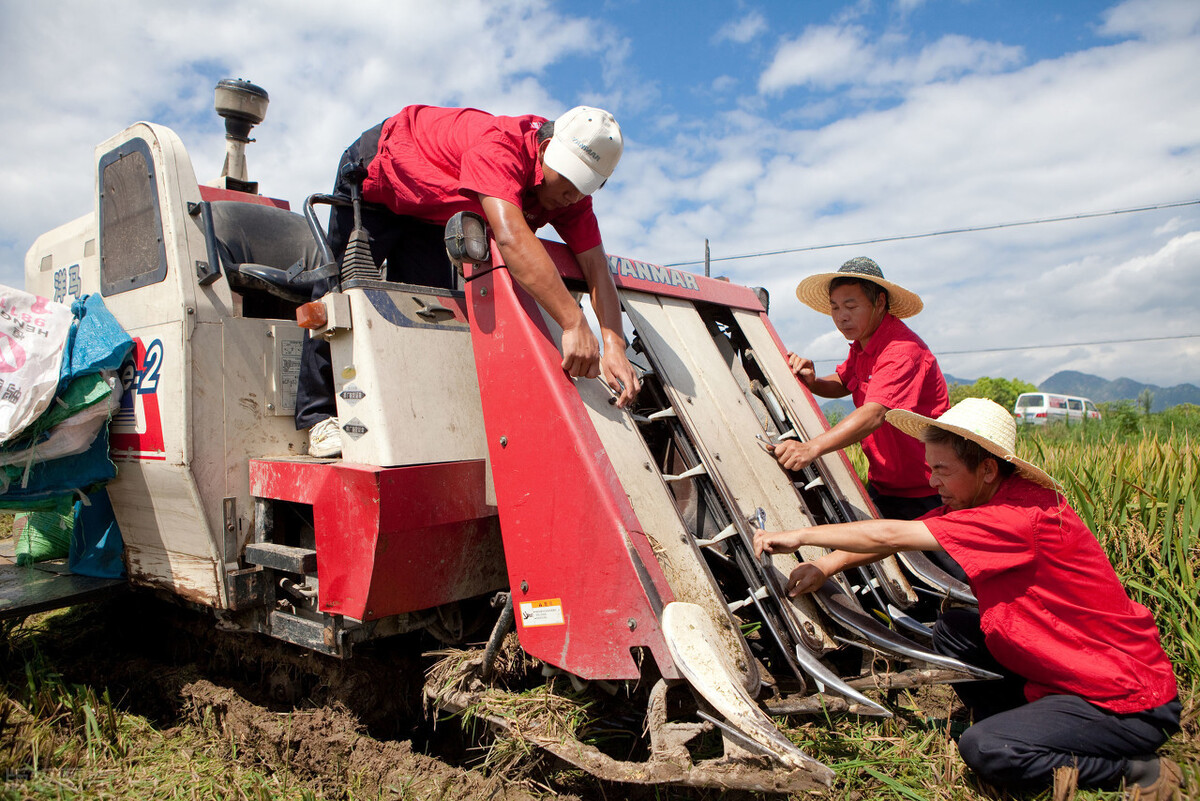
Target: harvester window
(131, 244)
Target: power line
(973, 229)
(940, 353)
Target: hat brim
(563, 161)
(913, 424)
(813, 292)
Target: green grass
(60, 740)
(1138, 490)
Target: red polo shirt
(1052, 608)
(897, 370)
(434, 162)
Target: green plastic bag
(44, 535)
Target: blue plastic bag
(96, 545)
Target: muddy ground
(331, 724)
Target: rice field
(1137, 488)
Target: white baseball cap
(585, 148)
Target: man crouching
(1087, 685)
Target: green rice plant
(1141, 498)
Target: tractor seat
(259, 245)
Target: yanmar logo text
(628, 268)
(583, 146)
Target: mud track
(339, 724)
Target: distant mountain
(1071, 382)
(839, 406)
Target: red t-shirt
(1052, 608)
(434, 162)
(897, 370)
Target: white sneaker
(325, 439)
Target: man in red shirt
(424, 165)
(889, 367)
(1087, 684)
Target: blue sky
(760, 126)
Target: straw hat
(814, 290)
(984, 422)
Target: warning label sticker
(547, 612)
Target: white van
(1039, 408)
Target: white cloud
(827, 57)
(743, 29)
(823, 56)
(724, 84)
(77, 72)
(1152, 19)
(1105, 128)
(971, 134)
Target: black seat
(265, 249)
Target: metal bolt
(524, 586)
(483, 291)
(631, 623)
(504, 442)
(270, 407)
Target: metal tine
(765, 572)
(698, 470)
(819, 481)
(823, 676)
(662, 414)
(726, 533)
(907, 622)
(933, 576)
(758, 594)
(826, 680)
(884, 639)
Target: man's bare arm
(854, 427)
(603, 291)
(531, 266)
(880, 537)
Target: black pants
(892, 507)
(412, 250)
(1016, 744)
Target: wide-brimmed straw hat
(814, 290)
(982, 421)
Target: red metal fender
(585, 583)
(392, 540)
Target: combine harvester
(477, 477)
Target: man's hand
(794, 455)
(616, 368)
(806, 578)
(775, 542)
(802, 368)
(581, 351)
